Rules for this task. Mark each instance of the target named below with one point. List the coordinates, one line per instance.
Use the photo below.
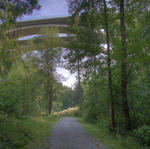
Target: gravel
(68, 134)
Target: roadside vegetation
(26, 82)
(100, 132)
(108, 52)
(29, 133)
(40, 128)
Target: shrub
(77, 113)
(142, 134)
(14, 134)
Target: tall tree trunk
(50, 85)
(79, 81)
(112, 115)
(124, 67)
(50, 98)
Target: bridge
(26, 28)
(32, 27)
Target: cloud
(69, 79)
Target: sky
(52, 9)
(67, 79)
(49, 9)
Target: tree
(17, 8)
(123, 66)
(93, 15)
(9, 11)
(112, 116)
(46, 57)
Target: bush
(77, 113)
(14, 134)
(142, 134)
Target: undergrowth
(112, 140)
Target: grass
(68, 111)
(40, 128)
(113, 141)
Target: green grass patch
(40, 128)
(111, 140)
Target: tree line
(110, 51)
(29, 84)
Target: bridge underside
(27, 28)
(63, 42)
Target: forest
(106, 47)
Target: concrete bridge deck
(32, 27)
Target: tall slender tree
(124, 66)
(112, 115)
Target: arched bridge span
(32, 27)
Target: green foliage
(94, 103)
(43, 125)
(77, 113)
(64, 98)
(100, 131)
(22, 93)
(17, 8)
(28, 79)
(14, 134)
(45, 56)
(142, 134)
(17, 134)
(67, 98)
(8, 53)
(16, 92)
(88, 47)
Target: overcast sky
(50, 8)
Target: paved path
(68, 134)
